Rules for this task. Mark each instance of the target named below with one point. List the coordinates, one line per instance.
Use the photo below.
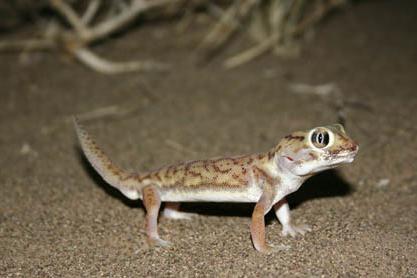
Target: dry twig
(276, 25)
(83, 33)
(227, 24)
(91, 11)
(99, 64)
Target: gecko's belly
(250, 194)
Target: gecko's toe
(270, 248)
(164, 243)
(293, 230)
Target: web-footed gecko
(264, 179)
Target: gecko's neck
(273, 153)
(276, 168)
(277, 149)
(268, 161)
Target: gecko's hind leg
(172, 211)
(152, 203)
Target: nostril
(352, 146)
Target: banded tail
(110, 172)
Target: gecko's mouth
(341, 157)
(347, 156)
(347, 152)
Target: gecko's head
(304, 153)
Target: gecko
(264, 179)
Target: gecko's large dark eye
(320, 138)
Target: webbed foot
(159, 242)
(293, 230)
(271, 248)
(175, 214)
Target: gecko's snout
(353, 147)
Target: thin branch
(258, 28)
(105, 28)
(228, 24)
(102, 65)
(276, 20)
(27, 45)
(315, 17)
(323, 90)
(91, 11)
(69, 14)
(75, 39)
(278, 11)
(250, 54)
(214, 10)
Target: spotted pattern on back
(220, 173)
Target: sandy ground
(57, 218)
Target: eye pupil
(320, 138)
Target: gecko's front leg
(282, 211)
(152, 203)
(257, 227)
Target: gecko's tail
(110, 172)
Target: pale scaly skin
(264, 179)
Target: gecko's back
(221, 179)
